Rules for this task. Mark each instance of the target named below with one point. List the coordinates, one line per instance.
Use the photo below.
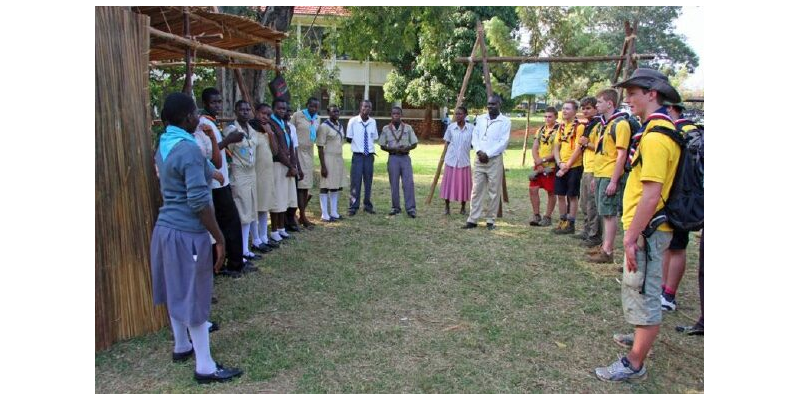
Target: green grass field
(398, 305)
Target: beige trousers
(486, 178)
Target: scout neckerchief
(393, 130)
(660, 114)
(337, 128)
(312, 120)
(170, 138)
(571, 135)
(548, 139)
(603, 124)
(283, 127)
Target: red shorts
(546, 182)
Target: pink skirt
(456, 184)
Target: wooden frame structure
(626, 61)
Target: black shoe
(469, 225)
(369, 211)
(273, 244)
(249, 267)
(222, 374)
(253, 257)
(691, 330)
(339, 218)
(351, 212)
(490, 227)
(262, 248)
(213, 300)
(412, 214)
(394, 211)
(293, 228)
(230, 273)
(183, 356)
(214, 327)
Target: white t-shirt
(460, 143)
(491, 135)
(224, 169)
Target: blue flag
(531, 79)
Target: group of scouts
(261, 166)
(595, 162)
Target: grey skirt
(181, 263)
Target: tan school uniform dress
(243, 172)
(305, 147)
(265, 181)
(332, 140)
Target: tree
(424, 42)
(594, 31)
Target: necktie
(366, 144)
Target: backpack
(683, 207)
(635, 126)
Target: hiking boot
(591, 242)
(560, 227)
(535, 220)
(567, 227)
(620, 371)
(601, 257)
(667, 305)
(594, 250)
(546, 221)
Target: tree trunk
(428, 123)
(278, 18)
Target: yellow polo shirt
(568, 140)
(588, 154)
(605, 160)
(660, 155)
(546, 137)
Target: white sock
(245, 239)
(323, 205)
(283, 233)
(202, 350)
(254, 234)
(208, 324)
(334, 196)
(262, 227)
(276, 236)
(181, 336)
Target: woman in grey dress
(180, 249)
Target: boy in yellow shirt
(654, 159)
(567, 152)
(592, 234)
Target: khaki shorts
(607, 206)
(645, 309)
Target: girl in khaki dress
(307, 123)
(266, 148)
(243, 172)
(330, 138)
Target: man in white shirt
(489, 140)
(362, 132)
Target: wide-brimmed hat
(678, 105)
(652, 80)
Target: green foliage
(307, 73)
(395, 87)
(169, 80)
(421, 43)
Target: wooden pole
(489, 92)
(278, 57)
(623, 55)
(459, 101)
(204, 48)
(209, 64)
(234, 31)
(559, 59)
(242, 88)
(187, 82)
(527, 125)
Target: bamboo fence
(126, 189)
